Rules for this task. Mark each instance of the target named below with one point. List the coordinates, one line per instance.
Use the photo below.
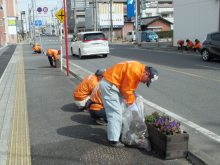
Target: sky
(23, 5)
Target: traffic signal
(143, 4)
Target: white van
(90, 43)
(131, 36)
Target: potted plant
(166, 136)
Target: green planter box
(168, 146)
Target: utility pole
(111, 19)
(34, 23)
(96, 14)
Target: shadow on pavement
(70, 108)
(85, 132)
(84, 119)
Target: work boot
(101, 121)
(116, 144)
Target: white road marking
(177, 117)
(208, 67)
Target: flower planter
(168, 146)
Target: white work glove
(137, 95)
(133, 107)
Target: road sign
(39, 9)
(45, 9)
(60, 15)
(39, 23)
(31, 23)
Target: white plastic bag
(134, 128)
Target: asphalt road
(187, 86)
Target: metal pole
(22, 27)
(34, 23)
(67, 57)
(136, 21)
(96, 15)
(111, 19)
(61, 55)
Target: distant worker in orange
(197, 45)
(180, 43)
(189, 43)
(84, 89)
(96, 109)
(37, 49)
(52, 54)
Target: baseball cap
(153, 75)
(100, 71)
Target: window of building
(0, 22)
(1, 6)
(165, 15)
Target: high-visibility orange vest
(126, 76)
(86, 87)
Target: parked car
(90, 43)
(131, 36)
(211, 46)
(149, 36)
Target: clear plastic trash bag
(134, 129)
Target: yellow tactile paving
(19, 144)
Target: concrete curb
(194, 156)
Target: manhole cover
(107, 156)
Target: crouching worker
(180, 43)
(189, 44)
(96, 109)
(197, 45)
(52, 55)
(119, 82)
(37, 49)
(84, 89)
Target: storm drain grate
(107, 156)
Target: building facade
(194, 19)
(8, 21)
(163, 8)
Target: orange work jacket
(125, 76)
(189, 44)
(37, 47)
(53, 53)
(199, 45)
(97, 99)
(180, 42)
(86, 87)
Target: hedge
(165, 34)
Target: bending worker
(52, 54)
(37, 49)
(119, 82)
(84, 89)
(197, 45)
(180, 43)
(189, 43)
(96, 109)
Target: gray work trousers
(112, 100)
